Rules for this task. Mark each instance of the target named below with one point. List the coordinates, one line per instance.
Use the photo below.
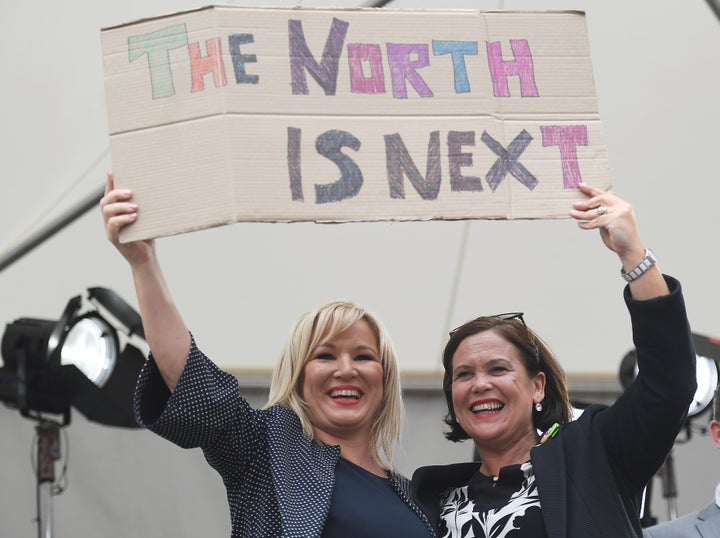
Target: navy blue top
(363, 504)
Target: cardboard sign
(227, 114)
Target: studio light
(78, 360)
(706, 369)
(707, 351)
(707, 358)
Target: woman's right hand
(119, 211)
(165, 330)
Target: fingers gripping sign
(119, 211)
(612, 216)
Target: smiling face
(492, 393)
(343, 385)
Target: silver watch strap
(647, 262)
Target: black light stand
(666, 474)
(44, 375)
(15, 388)
(48, 443)
(48, 452)
(669, 485)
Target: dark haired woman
(577, 479)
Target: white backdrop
(241, 286)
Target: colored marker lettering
(567, 137)
(458, 50)
(522, 66)
(301, 59)
(403, 68)
(239, 60)
(457, 159)
(294, 168)
(157, 45)
(398, 161)
(370, 53)
(329, 144)
(508, 161)
(202, 65)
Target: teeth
(490, 406)
(345, 393)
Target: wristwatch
(647, 262)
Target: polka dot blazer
(279, 482)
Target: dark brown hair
(536, 357)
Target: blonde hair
(314, 329)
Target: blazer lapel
(549, 467)
(301, 469)
(708, 521)
(428, 482)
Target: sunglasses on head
(506, 316)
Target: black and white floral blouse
(506, 506)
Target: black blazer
(591, 475)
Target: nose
(345, 366)
(481, 383)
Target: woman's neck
(494, 459)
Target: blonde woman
(317, 459)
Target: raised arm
(165, 330)
(640, 428)
(619, 232)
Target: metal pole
(376, 3)
(85, 204)
(48, 451)
(669, 485)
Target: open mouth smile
(486, 408)
(345, 395)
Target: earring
(538, 407)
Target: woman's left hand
(615, 220)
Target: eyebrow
(490, 362)
(356, 349)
